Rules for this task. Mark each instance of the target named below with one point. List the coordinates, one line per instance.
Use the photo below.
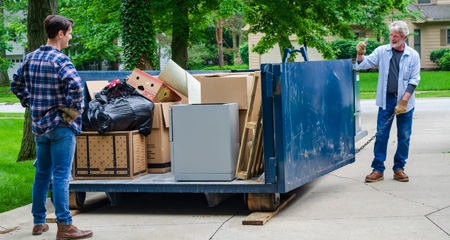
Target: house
(431, 33)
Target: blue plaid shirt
(45, 82)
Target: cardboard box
(115, 155)
(228, 89)
(93, 87)
(158, 145)
(151, 87)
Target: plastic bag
(119, 107)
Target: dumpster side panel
(317, 119)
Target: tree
(138, 35)
(234, 26)
(38, 10)
(4, 63)
(227, 9)
(14, 28)
(96, 31)
(311, 21)
(185, 20)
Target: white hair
(400, 27)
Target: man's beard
(398, 44)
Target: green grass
(12, 114)
(430, 81)
(432, 84)
(7, 96)
(228, 67)
(16, 178)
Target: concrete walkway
(339, 205)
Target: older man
(399, 75)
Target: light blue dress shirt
(409, 72)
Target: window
(424, 1)
(448, 36)
(417, 40)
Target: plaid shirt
(46, 81)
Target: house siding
(430, 38)
(442, 2)
(274, 55)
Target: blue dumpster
(308, 131)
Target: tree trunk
(220, 42)
(4, 78)
(235, 49)
(38, 10)
(138, 35)
(180, 33)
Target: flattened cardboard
(95, 86)
(114, 155)
(158, 145)
(151, 87)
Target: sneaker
(374, 177)
(401, 176)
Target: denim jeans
(404, 124)
(55, 151)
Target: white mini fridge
(204, 141)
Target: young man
(48, 83)
(399, 75)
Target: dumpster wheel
(263, 202)
(76, 200)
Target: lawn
(430, 81)
(16, 177)
(7, 96)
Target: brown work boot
(374, 177)
(39, 229)
(71, 232)
(401, 176)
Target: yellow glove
(361, 47)
(69, 115)
(401, 107)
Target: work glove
(401, 107)
(361, 47)
(69, 115)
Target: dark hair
(54, 23)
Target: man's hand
(361, 47)
(401, 107)
(69, 115)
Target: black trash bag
(119, 107)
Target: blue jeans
(404, 124)
(55, 151)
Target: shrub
(444, 61)
(243, 50)
(345, 48)
(437, 54)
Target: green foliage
(138, 34)
(345, 48)
(312, 21)
(15, 29)
(96, 31)
(198, 54)
(444, 61)
(16, 177)
(243, 49)
(437, 54)
(227, 67)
